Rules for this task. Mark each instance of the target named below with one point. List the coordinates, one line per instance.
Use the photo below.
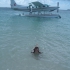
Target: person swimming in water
(36, 50)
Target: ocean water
(19, 35)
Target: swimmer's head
(36, 49)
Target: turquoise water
(19, 35)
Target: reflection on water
(36, 56)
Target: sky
(64, 4)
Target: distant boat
(68, 9)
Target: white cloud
(4, 3)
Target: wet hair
(35, 49)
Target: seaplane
(36, 9)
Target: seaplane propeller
(58, 6)
(30, 7)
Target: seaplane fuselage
(36, 8)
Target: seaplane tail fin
(13, 4)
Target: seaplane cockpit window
(43, 6)
(32, 7)
(36, 6)
(40, 7)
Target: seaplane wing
(38, 4)
(44, 7)
(35, 7)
